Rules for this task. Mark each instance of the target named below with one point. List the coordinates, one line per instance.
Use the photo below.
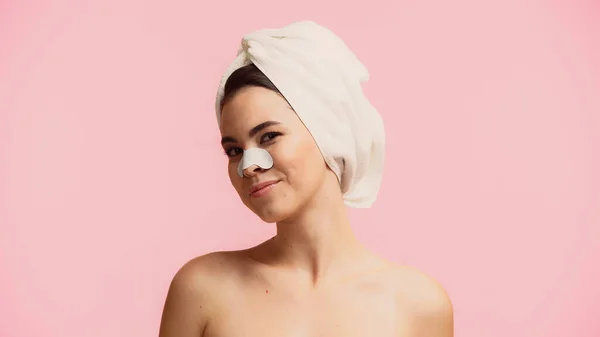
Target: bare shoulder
(211, 267)
(424, 291)
(200, 275)
(425, 300)
(195, 293)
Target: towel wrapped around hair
(321, 78)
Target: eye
(269, 136)
(232, 151)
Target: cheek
(234, 178)
(232, 169)
(299, 161)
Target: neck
(318, 241)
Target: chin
(270, 214)
(273, 211)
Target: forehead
(254, 105)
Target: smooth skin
(313, 278)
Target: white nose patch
(255, 156)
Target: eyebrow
(252, 131)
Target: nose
(251, 170)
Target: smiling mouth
(261, 189)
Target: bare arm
(184, 313)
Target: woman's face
(258, 117)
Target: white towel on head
(321, 79)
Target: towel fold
(322, 78)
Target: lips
(257, 187)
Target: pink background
(111, 175)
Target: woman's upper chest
(367, 309)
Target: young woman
(293, 169)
